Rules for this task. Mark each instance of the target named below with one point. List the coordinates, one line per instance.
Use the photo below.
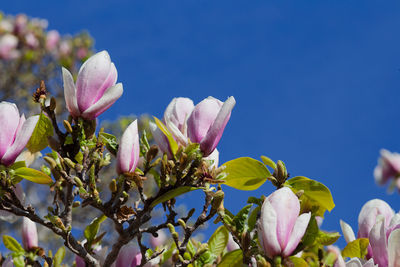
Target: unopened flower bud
(217, 200)
(29, 234)
(69, 163)
(67, 126)
(182, 223)
(171, 228)
(78, 181)
(53, 104)
(52, 163)
(113, 186)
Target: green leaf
(172, 143)
(110, 141)
(326, 238)
(168, 254)
(12, 244)
(59, 257)
(218, 240)
(33, 175)
(43, 129)
(240, 219)
(18, 260)
(311, 232)
(298, 262)
(190, 248)
(93, 228)
(18, 164)
(245, 173)
(232, 259)
(173, 193)
(252, 220)
(315, 192)
(356, 248)
(269, 162)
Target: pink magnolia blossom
(15, 133)
(8, 44)
(280, 227)
(52, 39)
(207, 122)
(128, 152)
(385, 242)
(31, 40)
(95, 89)
(29, 234)
(388, 167)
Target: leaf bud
(187, 256)
(67, 126)
(51, 162)
(171, 228)
(78, 181)
(190, 213)
(113, 186)
(78, 167)
(181, 259)
(218, 198)
(53, 104)
(125, 195)
(203, 248)
(182, 223)
(175, 236)
(69, 163)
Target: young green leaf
(245, 173)
(252, 220)
(33, 175)
(59, 257)
(173, 144)
(12, 244)
(269, 162)
(218, 240)
(18, 260)
(240, 219)
(110, 141)
(298, 262)
(232, 259)
(314, 191)
(173, 193)
(43, 129)
(326, 238)
(356, 248)
(93, 228)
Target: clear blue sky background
(316, 82)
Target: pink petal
(368, 214)
(214, 134)
(202, 117)
(110, 81)
(126, 256)
(70, 93)
(178, 111)
(298, 231)
(160, 139)
(378, 241)
(214, 157)
(394, 248)
(92, 75)
(287, 207)
(267, 235)
(354, 262)
(9, 121)
(110, 96)
(21, 140)
(29, 234)
(128, 151)
(347, 232)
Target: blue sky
(316, 82)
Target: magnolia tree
(282, 228)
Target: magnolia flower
(31, 40)
(65, 48)
(8, 262)
(52, 39)
(128, 152)
(280, 227)
(15, 134)
(175, 118)
(8, 45)
(385, 242)
(159, 240)
(232, 245)
(388, 167)
(95, 89)
(207, 122)
(29, 234)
